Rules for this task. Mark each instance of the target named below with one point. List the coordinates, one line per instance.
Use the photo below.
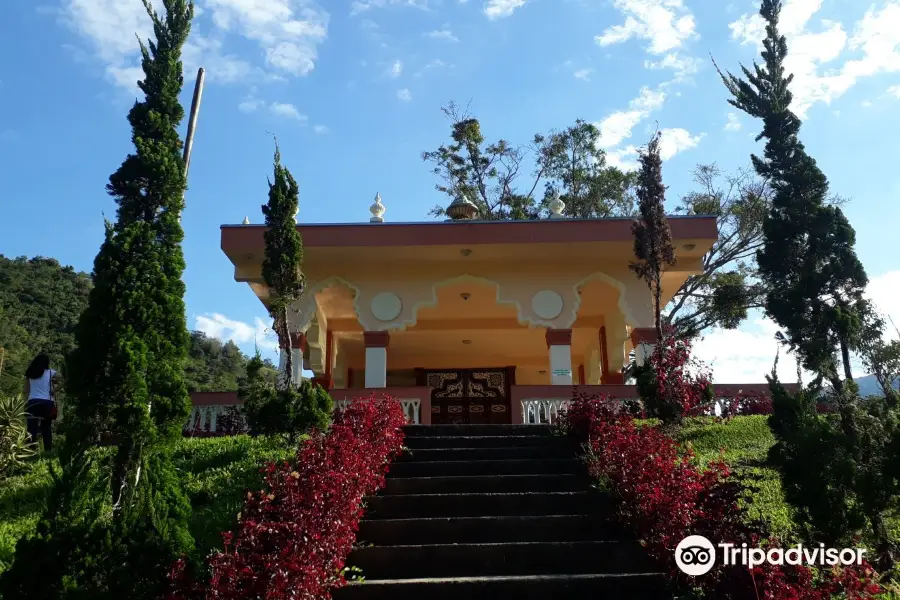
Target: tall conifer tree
(653, 247)
(115, 524)
(814, 279)
(282, 266)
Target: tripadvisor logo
(695, 555)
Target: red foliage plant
(664, 498)
(676, 384)
(293, 538)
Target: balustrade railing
(218, 413)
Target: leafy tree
(486, 175)
(653, 247)
(216, 367)
(115, 522)
(40, 304)
(728, 286)
(881, 358)
(841, 474)
(571, 162)
(281, 268)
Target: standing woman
(41, 407)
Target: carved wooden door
(477, 396)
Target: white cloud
(672, 142)
(583, 74)
(733, 123)
(444, 33)
(676, 140)
(222, 328)
(498, 9)
(395, 69)
(434, 64)
(321, 129)
(813, 56)
(361, 6)
(250, 105)
(287, 110)
(683, 66)
(403, 94)
(746, 355)
(288, 31)
(666, 24)
(894, 91)
(617, 127)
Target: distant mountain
(868, 386)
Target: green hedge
(217, 473)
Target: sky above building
(353, 91)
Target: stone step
(559, 466)
(471, 430)
(416, 442)
(485, 484)
(509, 453)
(485, 505)
(474, 530)
(643, 586)
(518, 558)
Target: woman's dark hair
(37, 367)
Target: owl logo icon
(695, 555)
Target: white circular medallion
(386, 306)
(547, 304)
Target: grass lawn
(217, 472)
(746, 442)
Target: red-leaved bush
(293, 538)
(674, 384)
(664, 498)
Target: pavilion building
(471, 321)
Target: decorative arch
(306, 307)
(402, 324)
(624, 307)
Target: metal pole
(192, 121)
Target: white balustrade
(543, 411)
(205, 418)
(546, 411)
(411, 408)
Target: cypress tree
(115, 523)
(840, 476)
(814, 279)
(281, 268)
(653, 247)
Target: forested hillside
(40, 303)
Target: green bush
(841, 471)
(15, 446)
(216, 474)
(290, 411)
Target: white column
(298, 341)
(559, 341)
(376, 358)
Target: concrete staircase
(494, 511)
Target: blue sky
(353, 89)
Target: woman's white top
(39, 389)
